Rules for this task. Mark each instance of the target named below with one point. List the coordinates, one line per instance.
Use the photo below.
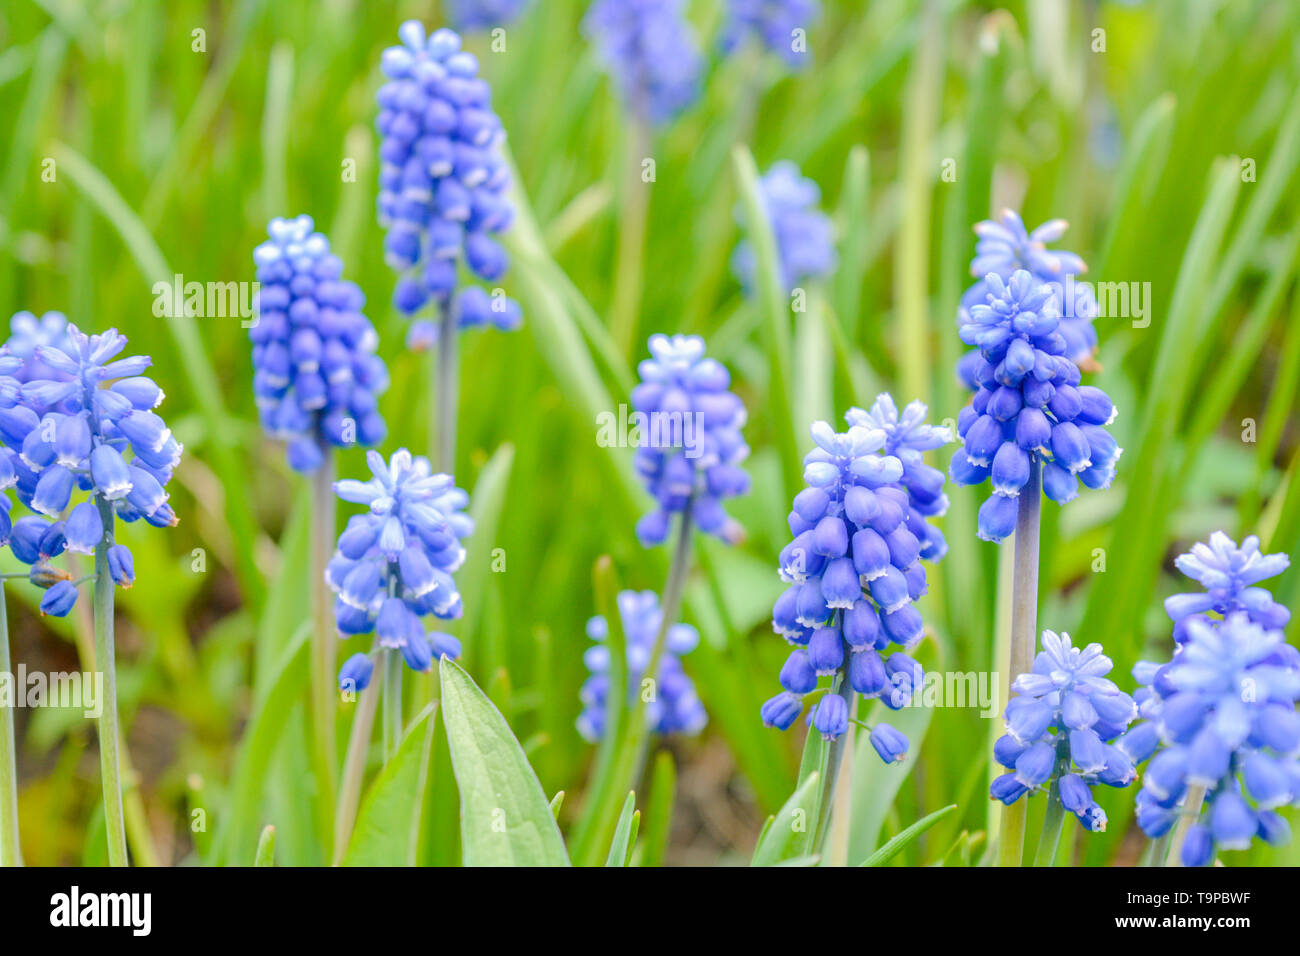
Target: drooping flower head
(1228, 573)
(780, 25)
(89, 428)
(1064, 725)
(805, 240)
(26, 332)
(675, 709)
(1030, 408)
(689, 442)
(442, 183)
(470, 15)
(651, 51)
(1005, 246)
(1223, 711)
(395, 561)
(854, 571)
(907, 438)
(316, 376)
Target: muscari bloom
(1005, 246)
(1030, 407)
(675, 709)
(89, 427)
(690, 450)
(395, 561)
(442, 183)
(1228, 574)
(26, 332)
(907, 438)
(1064, 725)
(773, 23)
(651, 50)
(316, 376)
(854, 571)
(805, 241)
(1223, 712)
(484, 14)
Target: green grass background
(168, 160)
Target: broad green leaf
(621, 846)
(789, 833)
(387, 831)
(896, 844)
(505, 818)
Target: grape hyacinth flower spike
(781, 26)
(1223, 714)
(90, 429)
(676, 708)
(1062, 727)
(1229, 575)
(316, 376)
(854, 571)
(1004, 246)
(805, 240)
(393, 567)
(27, 332)
(469, 15)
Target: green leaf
(557, 801)
(505, 818)
(387, 831)
(659, 810)
(875, 786)
(621, 847)
(788, 835)
(265, 847)
(486, 504)
(897, 843)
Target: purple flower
(780, 25)
(651, 50)
(484, 14)
(805, 239)
(1228, 573)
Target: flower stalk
(10, 848)
(392, 702)
(324, 652)
(105, 657)
(354, 769)
(446, 392)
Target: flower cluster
(675, 709)
(484, 14)
(650, 49)
(907, 438)
(27, 332)
(805, 241)
(316, 376)
(854, 568)
(1005, 246)
(1228, 574)
(1064, 726)
(1225, 710)
(395, 561)
(773, 23)
(1030, 409)
(86, 426)
(690, 450)
(442, 182)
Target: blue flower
(651, 50)
(773, 23)
(854, 571)
(1064, 726)
(316, 376)
(1225, 711)
(1005, 246)
(688, 437)
(1030, 408)
(356, 672)
(907, 438)
(1228, 574)
(395, 561)
(442, 182)
(484, 14)
(805, 239)
(675, 708)
(27, 332)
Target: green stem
(11, 853)
(1053, 821)
(1024, 627)
(105, 658)
(629, 266)
(392, 701)
(838, 757)
(323, 641)
(446, 392)
(1191, 809)
(354, 769)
